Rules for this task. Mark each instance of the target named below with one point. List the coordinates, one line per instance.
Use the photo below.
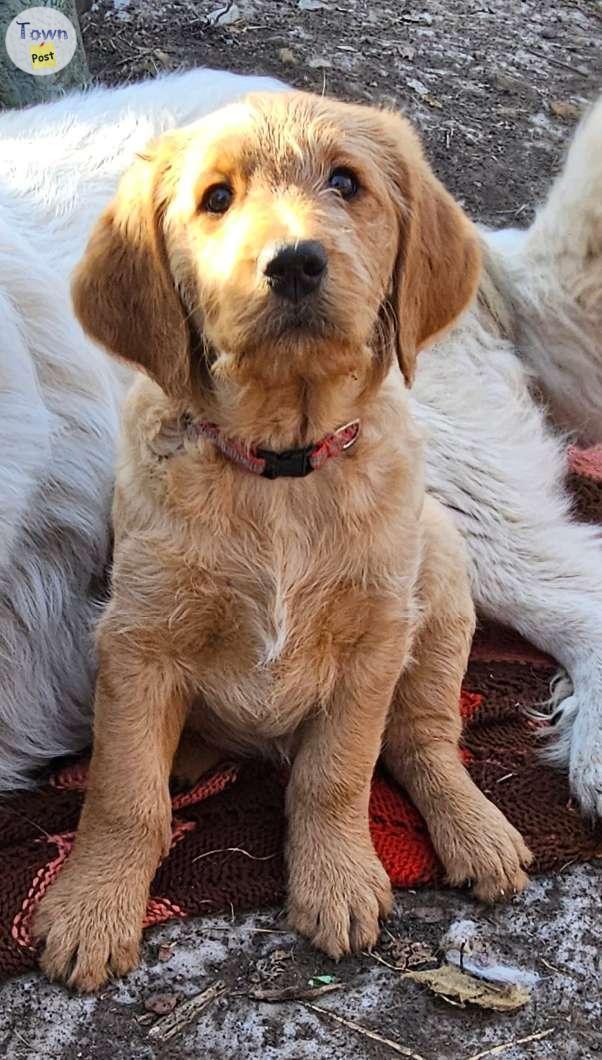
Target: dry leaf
(450, 982)
(287, 56)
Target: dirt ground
(549, 939)
(494, 85)
(495, 88)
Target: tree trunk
(20, 89)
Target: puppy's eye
(217, 199)
(343, 181)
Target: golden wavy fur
(318, 619)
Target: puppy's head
(285, 234)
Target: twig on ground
(381, 960)
(510, 1045)
(23, 1039)
(410, 965)
(553, 967)
(272, 931)
(167, 1027)
(557, 62)
(395, 1047)
(291, 993)
(256, 931)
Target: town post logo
(41, 41)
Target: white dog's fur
(495, 457)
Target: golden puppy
(270, 268)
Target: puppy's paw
(91, 932)
(485, 850)
(338, 905)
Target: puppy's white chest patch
(274, 635)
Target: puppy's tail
(558, 287)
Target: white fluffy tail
(555, 274)
(568, 228)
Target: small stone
(417, 86)
(565, 110)
(505, 83)
(165, 952)
(311, 5)
(162, 57)
(421, 90)
(515, 86)
(406, 51)
(161, 1004)
(319, 63)
(428, 914)
(422, 18)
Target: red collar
(292, 463)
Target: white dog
(496, 452)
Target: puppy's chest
(273, 646)
(276, 623)
(266, 611)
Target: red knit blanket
(228, 831)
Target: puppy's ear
(123, 292)
(438, 262)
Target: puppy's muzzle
(294, 270)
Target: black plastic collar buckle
(292, 463)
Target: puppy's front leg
(92, 916)
(337, 887)
(471, 836)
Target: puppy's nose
(296, 269)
